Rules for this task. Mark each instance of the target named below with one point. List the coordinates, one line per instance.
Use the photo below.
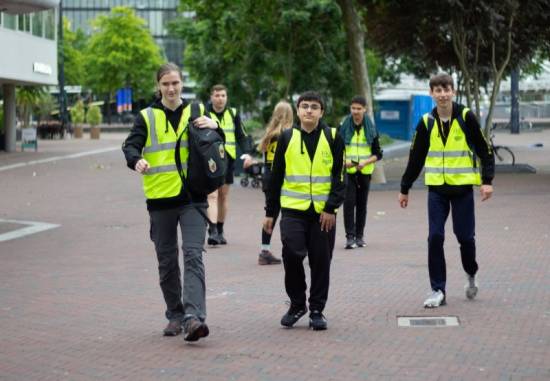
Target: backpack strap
(330, 134)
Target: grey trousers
(164, 234)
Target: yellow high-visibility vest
(452, 163)
(358, 150)
(307, 180)
(228, 126)
(162, 179)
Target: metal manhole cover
(427, 321)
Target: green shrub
(78, 113)
(385, 140)
(1, 120)
(94, 116)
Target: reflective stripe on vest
(226, 123)
(162, 179)
(452, 163)
(307, 180)
(358, 150)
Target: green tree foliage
(481, 40)
(267, 49)
(121, 52)
(27, 98)
(72, 48)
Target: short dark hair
(218, 87)
(311, 96)
(441, 79)
(359, 99)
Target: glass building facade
(39, 24)
(157, 14)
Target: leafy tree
(481, 40)
(121, 53)
(267, 50)
(27, 97)
(72, 48)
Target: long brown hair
(281, 119)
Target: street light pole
(61, 76)
(514, 91)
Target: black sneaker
(195, 329)
(213, 238)
(222, 239)
(350, 243)
(173, 328)
(317, 321)
(293, 315)
(359, 242)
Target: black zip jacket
(421, 144)
(133, 148)
(338, 187)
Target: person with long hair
(282, 119)
(150, 151)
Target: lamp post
(61, 76)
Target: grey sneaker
(436, 299)
(350, 243)
(471, 287)
(360, 242)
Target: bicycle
(503, 154)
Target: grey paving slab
(82, 302)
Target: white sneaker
(471, 287)
(436, 299)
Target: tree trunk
(355, 33)
(498, 73)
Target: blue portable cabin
(397, 113)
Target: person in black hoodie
(150, 150)
(307, 182)
(447, 143)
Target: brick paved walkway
(82, 302)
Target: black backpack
(207, 162)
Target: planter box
(78, 132)
(94, 132)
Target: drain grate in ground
(427, 321)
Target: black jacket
(133, 148)
(421, 144)
(338, 187)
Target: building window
(10, 21)
(49, 24)
(24, 22)
(38, 24)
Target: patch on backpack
(222, 151)
(212, 165)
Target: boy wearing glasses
(307, 182)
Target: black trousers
(355, 205)
(462, 209)
(302, 236)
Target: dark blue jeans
(462, 207)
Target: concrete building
(28, 37)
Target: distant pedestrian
(149, 150)
(307, 184)
(362, 152)
(230, 121)
(281, 120)
(448, 143)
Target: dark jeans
(164, 233)
(463, 227)
(355, 204)
(301, 237)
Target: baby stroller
(253, 175)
